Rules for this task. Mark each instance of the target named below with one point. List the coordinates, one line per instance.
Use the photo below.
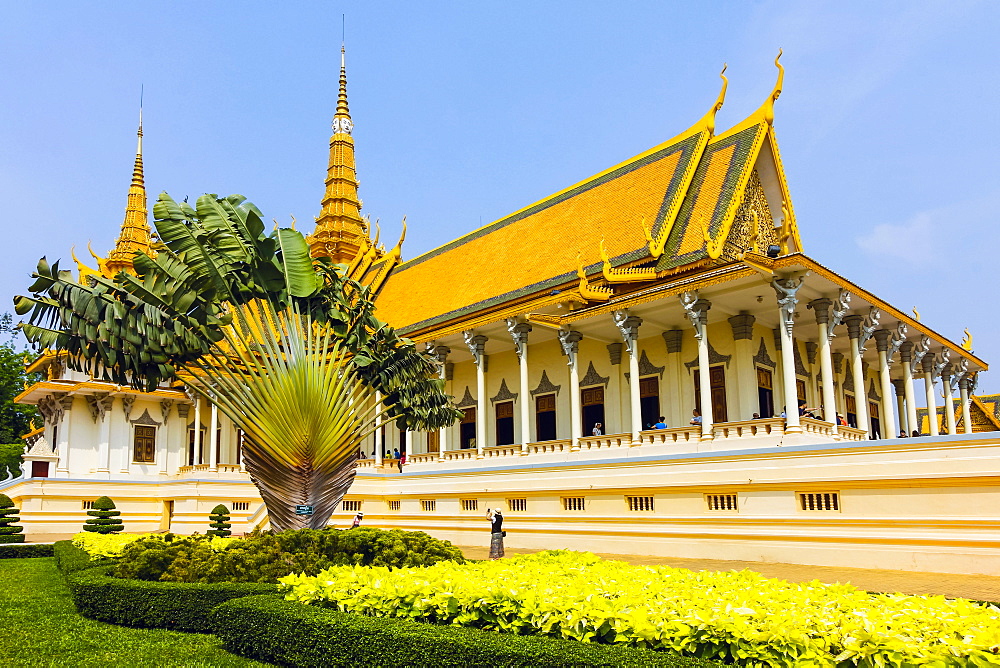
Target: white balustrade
(542, 447)
(502, 451)
(606, 441)
(750, 428)
(671, 435)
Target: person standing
(496, 533)
(597, 429)
(357, 520)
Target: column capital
(821, 307)
(477, 346)
(615, 353)
(673, 338)
(570, 339)
(853, 323)
(906, 351)
(882, 337)
(897, 383)
(838, 362)
(519, 333)
(742, 324)
(441, 353)
(927, 363)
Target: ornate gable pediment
(762, 358)
(647, 368)
(504, 394)
(714, 357)
(147, 419)
(873, 394)
(545, 386)
(594, 378)
(467, 400)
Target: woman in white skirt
(496, 533)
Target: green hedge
(268, 628)
(182, 606)
(25, 550)
(70, 558)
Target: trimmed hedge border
(288, 633)
(25, 550)
(70, 558)
(181, 606)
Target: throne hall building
(671, 289)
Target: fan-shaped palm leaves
(286, 345)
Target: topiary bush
(104, 517)
(25, 550)
(265, 557)
(220, 522)
(9, 532)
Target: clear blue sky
(466, 111)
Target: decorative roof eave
(800, 260)
(42, 361)
(990, 415)
(36, 391)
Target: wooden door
(717, 389)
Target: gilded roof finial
(708, 120)
(967, 341)
(341, 233)
(769, 105)
(135, 232)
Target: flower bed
(290, 634)
(739, 617)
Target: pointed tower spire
(341, 233)
(135, 233)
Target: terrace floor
(974, 587)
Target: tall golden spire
(135, 234)
(341, 233)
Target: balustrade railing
(750, 428)
(543, 447)
(606, 441)
(670, 435)
(685, 437)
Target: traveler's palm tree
(287, 346)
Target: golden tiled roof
(537, 247)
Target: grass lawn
(42, 628)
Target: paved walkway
(975, 587)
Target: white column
(963, 389)
(213, 440)
(377, 436)
(696, 310)
(197, 429)
(441, 352)
(857, 370)
(629, 327)
(64, 417)
(909, 397)
(949, 403)
(163, 437)
(477, 346)
(932, 416)
(897, 385)
(785, 289)
(519, 334)
(570, 342)
(888, 420)
(673, 411)
(104, 447)
(748, 401)
(821, 307)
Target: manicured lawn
(40, 627)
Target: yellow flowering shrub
(107, 545)
(737, 616)
(113, 545)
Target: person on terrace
(697, 416)
(496, 533)
(661, 423)
(597, 429)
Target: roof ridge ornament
(708, 120)
(768, 107)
